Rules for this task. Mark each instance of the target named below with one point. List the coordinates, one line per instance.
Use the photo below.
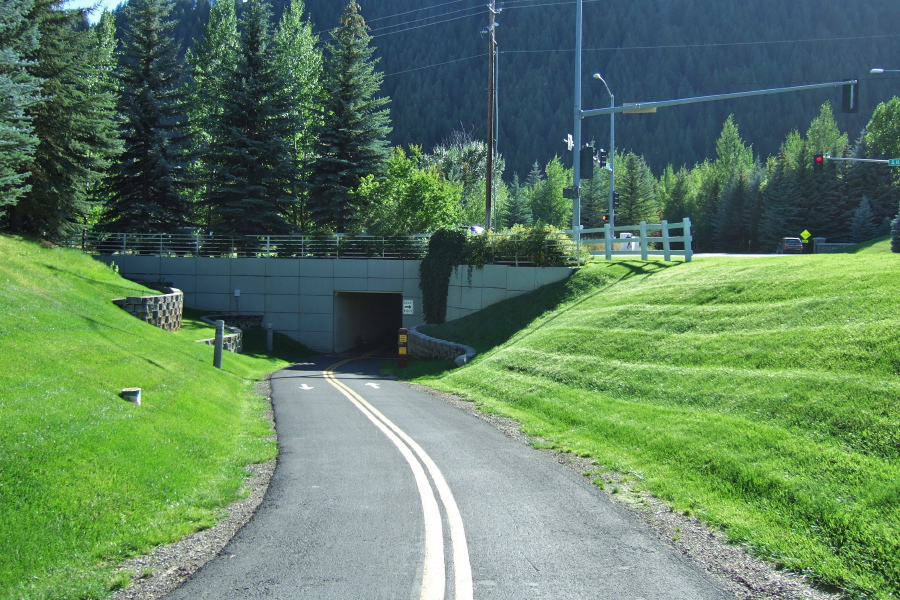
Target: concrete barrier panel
(282, 285)
(520, 279)
(491, 296)
(385, 285)
(286, 323)
(179, 266)
(548, 275)
(187, 283)
(322, 323)
(214, 266)
(385, 269)
(249, 266)
(214, 284)
(351, 284)
(213, 303)
(282, 267)
(411, 269)
(284, 303)
(316, 267)
(351, 268)
(248, 284)
(470, 298)
(317, 286)
(315, 304)
(250, 303)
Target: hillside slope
(86, 478)
(434, 57)
(762, 394)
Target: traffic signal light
(603, 157)
(616, 200)
(818, 162)
(850, 97)
(587, 162)
(605, 219)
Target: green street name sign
(894, 162)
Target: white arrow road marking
(373, 385)
(434, 573)
(305, 387)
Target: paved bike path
(343, 516)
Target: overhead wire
(438, 19)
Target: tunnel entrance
(366, 320)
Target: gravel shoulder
(748, 578)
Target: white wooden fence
(644, 240)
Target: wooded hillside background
(434, 57)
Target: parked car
(790, 245)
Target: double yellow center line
(434, 578)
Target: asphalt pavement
(382, 491)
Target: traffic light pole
(644, 106)
(850, 104)
(881, 161)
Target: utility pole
(492, 87)
(576, 133)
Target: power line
(712, 45)
(380, 32)
(417, 10)
(474, 56)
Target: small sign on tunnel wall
(407, 307)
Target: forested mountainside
(434, 58)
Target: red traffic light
(818, 161)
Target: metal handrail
(503, 248)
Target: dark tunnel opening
(366, 320)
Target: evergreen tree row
(260, 128)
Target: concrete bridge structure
(329, 305)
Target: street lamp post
(612, 152)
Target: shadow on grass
(283, 347)
(496, 324)
(865, 246)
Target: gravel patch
(742, 574)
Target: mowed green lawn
(761, 394)
(87, 479)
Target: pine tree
(252, 166)
(351, 138)
(74, 124)
(637, 191)
(19, 92)
(301, 66)
(516, 211)
(863, 226)
(145, 187)
(213, 64)
(730, 226)
(781, 201)
(548, 204)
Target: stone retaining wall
(163, 311)
(233, 341)
(238, 321)
(425, 347)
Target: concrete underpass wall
(307, 300)
(494, 283)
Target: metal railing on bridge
(514, 249)
(256, 246)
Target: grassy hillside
(86, 478)
(762, 394)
